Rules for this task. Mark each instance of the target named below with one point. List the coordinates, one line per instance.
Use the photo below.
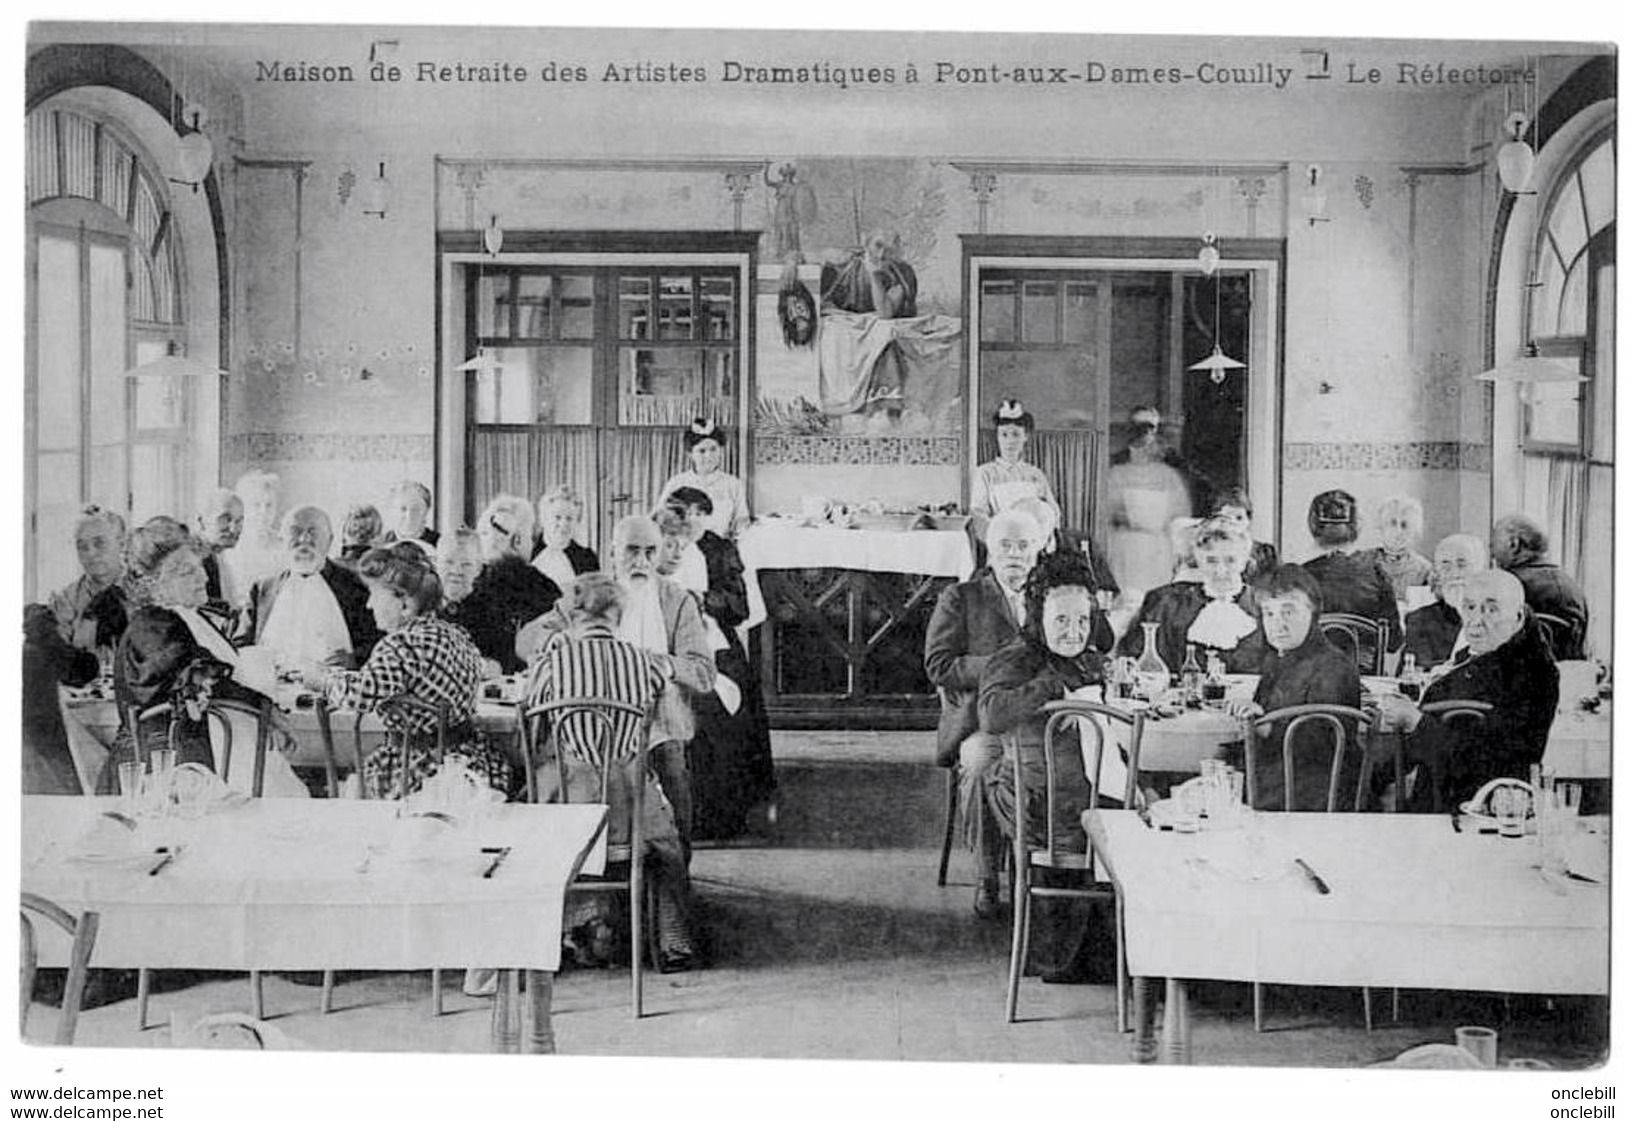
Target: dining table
(243, 884)
(1408, 902)
(91, 721)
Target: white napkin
(727, 691)
(1220, 625)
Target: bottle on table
(1410, 679)
(1214, 689)
(1190, 677)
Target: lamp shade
(492, 237)
(1207, 257)
(481, 362)
(1515, 164)
(174, 366)
(196, 155)
(1530, 368)
(1217, 364)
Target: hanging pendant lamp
(1218, 364)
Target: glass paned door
(600, 372)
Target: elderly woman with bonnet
(511, 592)
(420, 657)
(1216, 613)
(1057, 655)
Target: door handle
(624, 497)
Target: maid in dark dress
(1300, 668)
(731, 755)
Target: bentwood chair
(1366, 640)
(82, 931)
(586, 731)
(223, 717)
(1560, 634)
(1298, 719)
(1027, 854)
(396, 711)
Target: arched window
(106, 293)
(1567, 429)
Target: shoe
(986, 904)
(480, 982)
(680, 961)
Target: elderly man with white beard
(1502, 660)
(314, 612)
(665, 620)
(1433, 632)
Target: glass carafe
(1151, 669)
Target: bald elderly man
(1433, 632)
(220, 527)
(314, 610)
(1502, 660)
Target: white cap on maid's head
(1011, 409)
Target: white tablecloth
(318, 884)
(1413, 905)
(925, 552)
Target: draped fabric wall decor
(1069, 458)
(634, 461)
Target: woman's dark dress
(730, 758)
(1315, 673)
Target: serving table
(1412, 904)
(846, 616)
(295, 884)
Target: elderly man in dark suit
(1503, 661)
(314, 610)
(970, 622)
(1518, 545)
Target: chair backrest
(1298, 719)
(403, 712)
(589, 727)
(324, 725)
(1365, 639)
(218, 716)
(83, 932)
(1100, 718)
(1560, 634)
(1472, 712)
(593, 725)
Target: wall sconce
(1207, 257)
(1315, 200)
(492, 237)
(377, 197)
(194, 150)
(1515, 159)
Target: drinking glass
(1479, 1043)
(130, 777)
(1511, 809)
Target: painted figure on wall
(794, 203)
(871, 336)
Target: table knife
(498, 855)
(163, 861)
(1314, 878)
